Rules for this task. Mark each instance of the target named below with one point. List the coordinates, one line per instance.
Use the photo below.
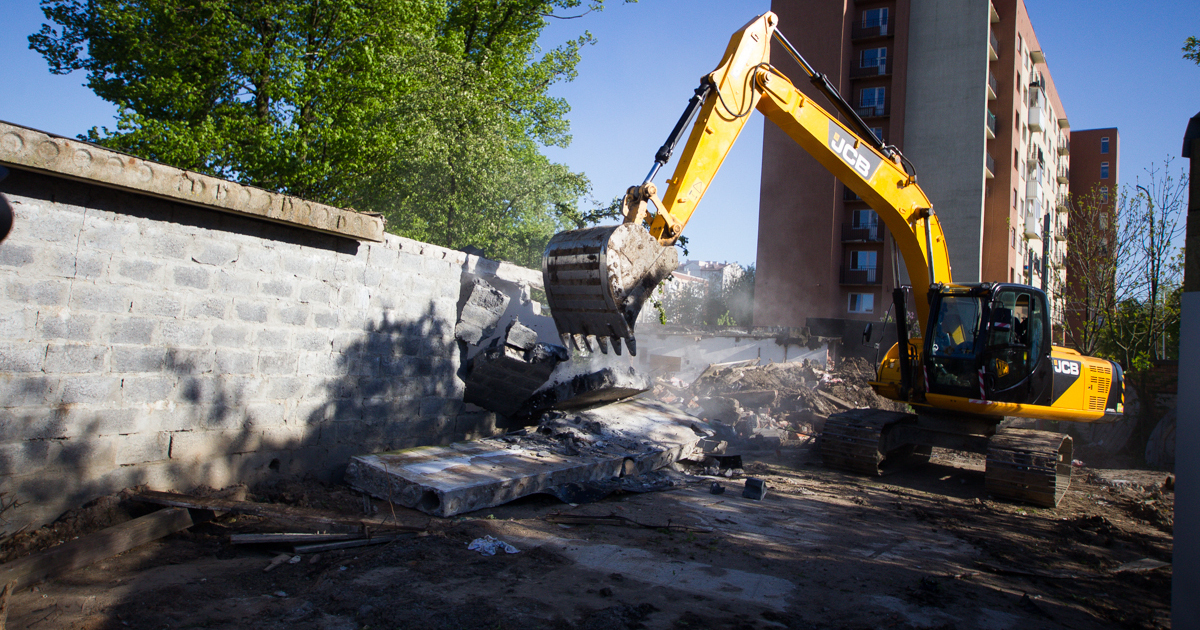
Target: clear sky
(1115, 64)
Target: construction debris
(622, 439)
(606, 385)
(326, 518)
(482, 307)
(504, 375)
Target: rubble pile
(775, 403)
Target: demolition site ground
(920, 548)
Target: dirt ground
(922, 548)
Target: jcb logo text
(1062, 366)
(851, 155)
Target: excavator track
(1030, 466)
(851, 440)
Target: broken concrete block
(520, 336)
(449, 480)
(502, 377)
(606, 385)
(755, 489)
(756, 397)
(482, 306)
(721, 409)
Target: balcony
(1064, 175)
(867, 29)
(1036, 117)
(862, 233)
(1033, 229)
(850, 195)
(872, 111)
(993, 46)
(993, 87)
(867, 72)
(1060, 204)
(991, 125)
(868, 276)
(989, 168)
(1060, 232)
(1064, 146)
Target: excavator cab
(989, 342)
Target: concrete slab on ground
(631, 437)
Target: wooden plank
(273, 510)
(347, 544)
(288, 538)
(91, 548)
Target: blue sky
(1114, 64)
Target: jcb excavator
(982, 352)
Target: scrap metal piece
(597, 279)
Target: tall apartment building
(1095, 171)
(962, 88)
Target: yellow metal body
(745, 81)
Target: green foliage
(711, 304)
(430, 111)
(1191, 50)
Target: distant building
(1095, 169)
(717, 273)
(963, 89)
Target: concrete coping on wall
(26, 148)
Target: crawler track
(851, 440)
(1030, 466)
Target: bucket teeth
(602, 341)
(587, 343)
(568, 340)
(631, 343)
(616, 343)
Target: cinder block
(502, 378)
(84, 457)
(315, 292)
(273, 339)
(133, 330)
(434, 406)
(281, 287)
(99, 298)
(263, 415)
(295, 315)
(251, 311)
(157, 303)
(125, 359)
(317, 363)
(258, 259)
(75, 358)
(191, 276)
(139, 270)
(104, 233)
(216, 254)
(182, 333)
(482, 306)
(23, 457)
(234, 362)
(520, 336)
(93, 390)
(32, 391)
(56, 227)
(22, 357)
(72, 327)
(312, 341)
(91, 265)
(18, 324)
(149, 389)
(230, 336)
(236, 282)
(16, 255)
(42, 293)
(276, 363)
(191, 360)
(325, 318)
(214, 307)
(296, 263)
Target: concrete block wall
(144, 341)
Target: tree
(1191, 50)
(431, 111)
(1097, 239)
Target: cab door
(1016, 354)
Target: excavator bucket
(597, 280)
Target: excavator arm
(597, 278)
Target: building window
(862, 302)
(1104, 194)
(1104, 145)
(1014, 199)
(865, 219)
(1020, 43)
(872, 98)
(1104, 170)
(1012, 238)
(873, 58)
(878, 131)
(876, 17)
(1016, 156)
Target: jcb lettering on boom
(863, 162)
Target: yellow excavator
(982, 351)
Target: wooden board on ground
(273, 510)
(91, 548)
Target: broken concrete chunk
(721, 409)
(447, 480)
(482, 306)
(755, 398)
(502, 377)
(520, 336)
(606, 385)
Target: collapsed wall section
(151, 341)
